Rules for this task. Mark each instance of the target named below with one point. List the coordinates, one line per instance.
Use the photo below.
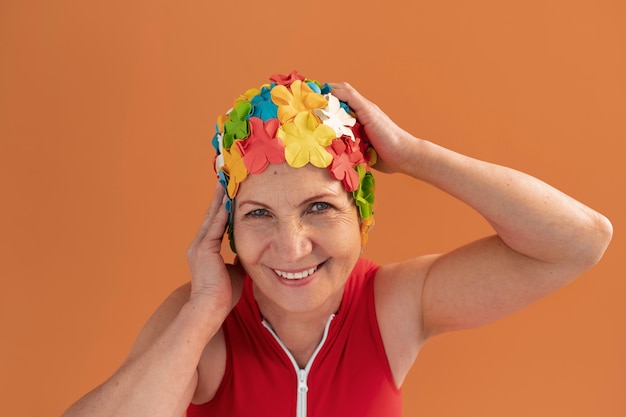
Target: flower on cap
(235, 168)
(366, 226)
(305, 141)
(368, 152)
(336, 117)
(261, 148)
(219, 162)
(344, 161)
(222, 178)
(217, 141)
(326, 88)
(219, 126)
(262, 105)
(314, 85)
(236, 127)
(300, 98)
(297, 120)
(228, 205)
(286, 80)
(364, 195)
(252, 92)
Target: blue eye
(319, 206)
(258, 213)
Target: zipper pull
(302, 377)
(302, 393)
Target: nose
(292, 241)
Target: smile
(295, 275)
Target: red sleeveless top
(349, 374)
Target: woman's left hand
(388, 139)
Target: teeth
(295, 275)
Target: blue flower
(314, 86)
(262, 105)
(217, 138)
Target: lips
(296, 275)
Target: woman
(302, 325)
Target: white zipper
(302, 374)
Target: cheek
(249, 240)
(341, 236)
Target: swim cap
(298, 121)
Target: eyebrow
(306, 201)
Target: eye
(260, 212)
(320, 206)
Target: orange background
(106, 115)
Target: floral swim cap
(298, 121)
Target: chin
(299, 296)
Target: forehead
(299, 183)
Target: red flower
(363, 143)
(286, 80)
(262, 147)
(344, 161)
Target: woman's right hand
(160, 375)
(214, 284)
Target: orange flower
(235, 168)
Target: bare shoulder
(398, 288)
(398, 291)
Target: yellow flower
(306, 140)
(300, 98)
(247, 96)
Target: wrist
(202, 318)
(414, 157)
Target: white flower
(336, 117)
(219, 160)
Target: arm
(160, 375)
(543, 239)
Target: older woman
(304, 326)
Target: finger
(348, 94)
(218, 202)
(217, 224)
(343, 91)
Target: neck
(301, 332)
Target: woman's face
(297, 235)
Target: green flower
(364, 195)
(237, 126)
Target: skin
(288, 219)
(536, 248)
